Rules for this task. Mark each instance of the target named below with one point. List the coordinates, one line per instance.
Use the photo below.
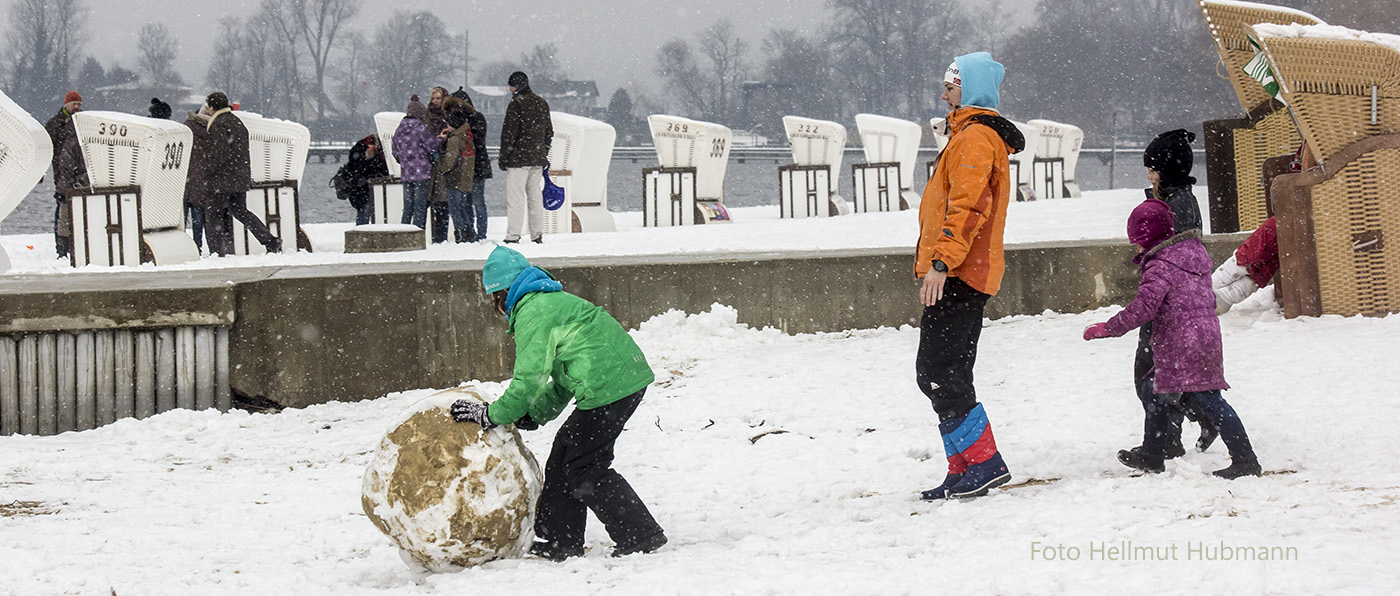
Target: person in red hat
(69, 168)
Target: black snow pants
(578, 476)
(948, 335)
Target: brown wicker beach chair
(1339, 223)
(1236, 148)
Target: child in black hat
(1169, 160)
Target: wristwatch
(940, 266)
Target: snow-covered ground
(778, 464)
(1099, 214)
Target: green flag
(1258, 69)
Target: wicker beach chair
(1339, 223)
(1236, 148)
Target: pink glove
(1096, 331)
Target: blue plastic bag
(553, 193)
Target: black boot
(1138, 459)
(645, 545)
(552, 551)
(1240, 468)
(1208, 436)
(62, 244)
(460, 236)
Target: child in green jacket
(567, 349)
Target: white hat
(952, 76)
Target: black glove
(470, 410)
(60, 197)
(527, 423)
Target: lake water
(748, 182)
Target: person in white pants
(525, 196)
(526, 135)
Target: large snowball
(449, 494)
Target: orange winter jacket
(963, 213)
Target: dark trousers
(218, 223)
(62, 225)
(439, 221)
(948, 337)
(578, 477)
(196, 216)
(1212, 406)
(1144, 373)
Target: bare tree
(707, 84)
(278, 17)
(352, 71)
(42, 40)
(1151, 64)
(407, 56)
(675, 62)
(314, 25)
(541, 64)
(225, 70)
(885, 48)
(801, 69)
(156, 49)
(728, 61)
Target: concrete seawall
(306, 335)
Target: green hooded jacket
(566, 348)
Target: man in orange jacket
(961, 220)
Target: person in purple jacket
(414, 146)
(1175, 295)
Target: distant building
(134, 97)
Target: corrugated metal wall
(61, 381)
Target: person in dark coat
(194, 213)
(159, 109)
(197, 198)
(526, 136)
(1169, 160)
(228, 176)
(72, 173)
(456, 167)
(1187, 352)
(476, 121)
(437, 195)
(365, 163)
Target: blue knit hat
(501, 269)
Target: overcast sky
(611, 41)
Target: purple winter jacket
(414, 144)
(1175, 294)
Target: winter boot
(1138, 459)
(971, 438)
(957, 466)
(1240, 468)
(941, 491)
(980, 478)
(62, 244)
(1208, 435)
(552, 551)
(460, 236)
(1172, 451)
(645, 545)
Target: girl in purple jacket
(1175, 295)
(414, 144)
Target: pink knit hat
(1150, 223)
